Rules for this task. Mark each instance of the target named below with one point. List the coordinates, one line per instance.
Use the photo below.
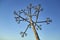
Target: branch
(21, 17)
(47, 21)
(24, 33)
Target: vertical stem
(34, 30)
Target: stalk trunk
(34, 30)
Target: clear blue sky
(9, 29)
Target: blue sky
(9, 29)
